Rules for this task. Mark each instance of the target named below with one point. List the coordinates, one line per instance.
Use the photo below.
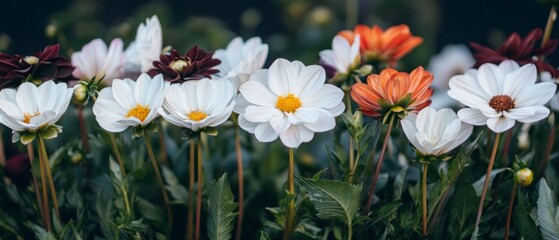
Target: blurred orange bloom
(383, 46)
(393, 92)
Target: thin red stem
(487, 179)
(239, 153)
(509, 213)
(83, 129)
(199, 194)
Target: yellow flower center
(197, 116)
(179, 65)
(140, 112)
(27, 117)
(288, 104)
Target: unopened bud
(524, 177)
(80, 93)
(31, 60)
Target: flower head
(521, 50)
(195, 64)
(96, 61)
(342, 58)
(383, 46)
(435, 133)
(42, 66)
(290, 100)
(32, 109)
(130, 103)
(393, 92)
(146, 48)
(241, 59)
(500, 95)
(199, 104)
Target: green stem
(509, 213)
(162, 145)
(352, 14)
(159, 178)
(44, 190)
(116, 152)
(486, 183)
(290, 216)
(424, 197)
(548, 148)
(126, 201)
(379, 166)
(549, 27)
(349, 231)
(45, 160)
(31, 155)
(199, 194)
(190, 218)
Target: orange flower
(383, 46)
(393, 92)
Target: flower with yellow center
(199, 104)
(500, 95)
(289, 101)
(31, 108)
(130, 103)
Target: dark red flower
(43, 65)
(195, 64)
(522, 50)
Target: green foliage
(548, 214)
(221, 209)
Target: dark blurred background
(294, 29)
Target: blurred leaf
(178, 191)
(40, 232)
(333, 199)
(400, 183)
(526, 226)
(548, 216)
(221, 206)
(478, 185)
(115, 169)
(264, 236)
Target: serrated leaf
(547, 212)
(334, 200)
(221, 209)
(264, 236)
(523, 222)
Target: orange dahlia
(393, 92)
(383, 46)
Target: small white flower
(290, 100)
(146, 48)
(31, 108)
(241, 59)
(499, 95)
(95, 60)
(343, 57)
(453, 60)
(199, 104)
(435, 133)
(130, 103)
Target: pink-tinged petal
(500, 124)
(472, 116)
(538, 94)
(517, 81)
(265, 133)
(258, 94)
(540, 112)
(467, 90)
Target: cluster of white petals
(146, 48)
(343, 56)
(241, 59)
(95, 60)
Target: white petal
(304, 115)
(328, 96)
(467, 90)
(538, 94)
(508, 66)
(325, 122)
(26, 97)
(517, 81)
(256, 93)
(281, 75)
(265, 133)
(540, 112)
(490, 78)
(123, 92)
(309, 81)
(291, 138)
(500, 124)
(247, 125)
(408, 125)
(463, 134)
(261, 114)
(472, 116)
(519, 113)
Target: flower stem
(548, 148)
(46, 208)
(43, 150)
(487, 179)
(162, 145)
(379, 165)
(116, 152)
(424, 197)
(190, 220)
(159, 178)
(126, 201)
(549, 25)
(509, 213)
(199, 193)
(83, 129)
(239, 152)
(351, 13)
(31, 155)
(351, 152)
(290, 216)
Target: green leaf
(115, 169)
(177, 190)
(334, 200)
(400, 183)
(478, 185)
(27, 137)
(264, 236)
(523, 222)
(40, 232)
(548, 216)
(221, 207)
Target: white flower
(435, 133)
(289, 100)
(499, 95)
(241, 59)
(554, 102)
(343, 57)
(199, 104)
(146, 48)
(130, 103)
(453, 60)
(31, 108)
(95, 60)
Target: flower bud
(524, 177)
(31, 60)
(80, 93)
